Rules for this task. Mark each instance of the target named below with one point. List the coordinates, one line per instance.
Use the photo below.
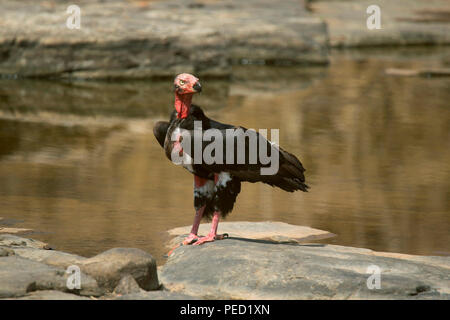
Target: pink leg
(212, 235)
(192, 237)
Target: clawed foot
(210, 238)
(191, 238)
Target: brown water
(79, 164)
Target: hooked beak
(197, 87)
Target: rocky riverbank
(267, 260)
(30, 269)
(126, 39)
(145, 39)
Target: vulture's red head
(186, 83)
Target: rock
(38, 251)
(127, 285)
(13, 230)
(234, 268)
(401, 22)
(109, 267)
(269, 230)
(119, 39)
(402, 72)
(4, 252)
(51, 257)
(443, 72)
(9, 240)
(155, 295)
(51, 295)
(19, 276)
(258, 269)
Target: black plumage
(290, 176)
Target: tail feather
(292, 172)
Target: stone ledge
(123, 40)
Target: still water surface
(79, 164)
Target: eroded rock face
(120, 39)
(258, 269)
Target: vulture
(217, 183)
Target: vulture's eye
(182, 82)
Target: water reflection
(376, 149)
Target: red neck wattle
(183, 104)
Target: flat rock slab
(12, 241)
(443, 72)
(131, 39)
(13, 230)
(51, 257)
(258, 269)
(268, 230)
